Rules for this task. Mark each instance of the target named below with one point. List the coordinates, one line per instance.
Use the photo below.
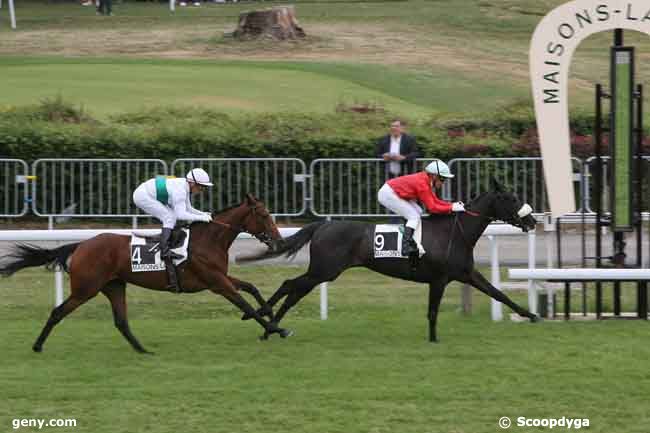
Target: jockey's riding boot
(408, 244)
(166, 255)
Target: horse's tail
(27, 255)
(289, 246)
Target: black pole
(642, 286)
(583, 207)
(618, 37)
(558, 242)
(567, 291)
(598, 191)
(619, 255)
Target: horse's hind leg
(295, 290)
(58, 313)
(116, 294)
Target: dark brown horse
(103, 264)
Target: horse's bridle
(263, 237)
(516, 218)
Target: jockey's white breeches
(143, 200)
(407, 209)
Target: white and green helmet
(440, 168)
(198, 176)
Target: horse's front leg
(477, 280)
(265, 308)
(436, 290)
(222, 285)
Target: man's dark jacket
(407, 147)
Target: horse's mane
(224, 210)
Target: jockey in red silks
(401, 194)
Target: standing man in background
(398, 149)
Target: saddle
(145, 250)
(176, 240)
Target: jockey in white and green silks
(169, 200)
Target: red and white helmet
(198, 176)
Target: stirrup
(414, 260)
(409, 248)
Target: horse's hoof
(247, 316)
(37, 349)
(284, 333)
(264, 337)
(536, 319)
(146, 352)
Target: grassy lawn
(368, 368)
(414, 58)
(237, 86)
(232, 87)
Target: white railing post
(532, 289)
(58, 283)
(496, 308)
(12, 14)
(323, 295)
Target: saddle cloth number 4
(146, 258)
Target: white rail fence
(493, 232)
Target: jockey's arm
(180, 206)
(433, 204)
(192, 210)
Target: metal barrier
(348, 187)
(13, 177)
(90, 187)
(337, 187)
(523, 176)
(278, 182)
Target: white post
(172, 5)
(497, 310)
(323, 301)
(532, 290)
(58, 279)
(323, 295)
(12, 14)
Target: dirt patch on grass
(326, 43)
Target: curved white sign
(554, 41)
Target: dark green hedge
(170, 133)
(54, 129)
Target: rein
(462, 231)
(241, 228)
(229, 226)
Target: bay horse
(103, 264)
(449, 241)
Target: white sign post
(554, 41)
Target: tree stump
(278, 23)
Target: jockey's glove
(458, 207)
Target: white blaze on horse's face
(525, 210)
